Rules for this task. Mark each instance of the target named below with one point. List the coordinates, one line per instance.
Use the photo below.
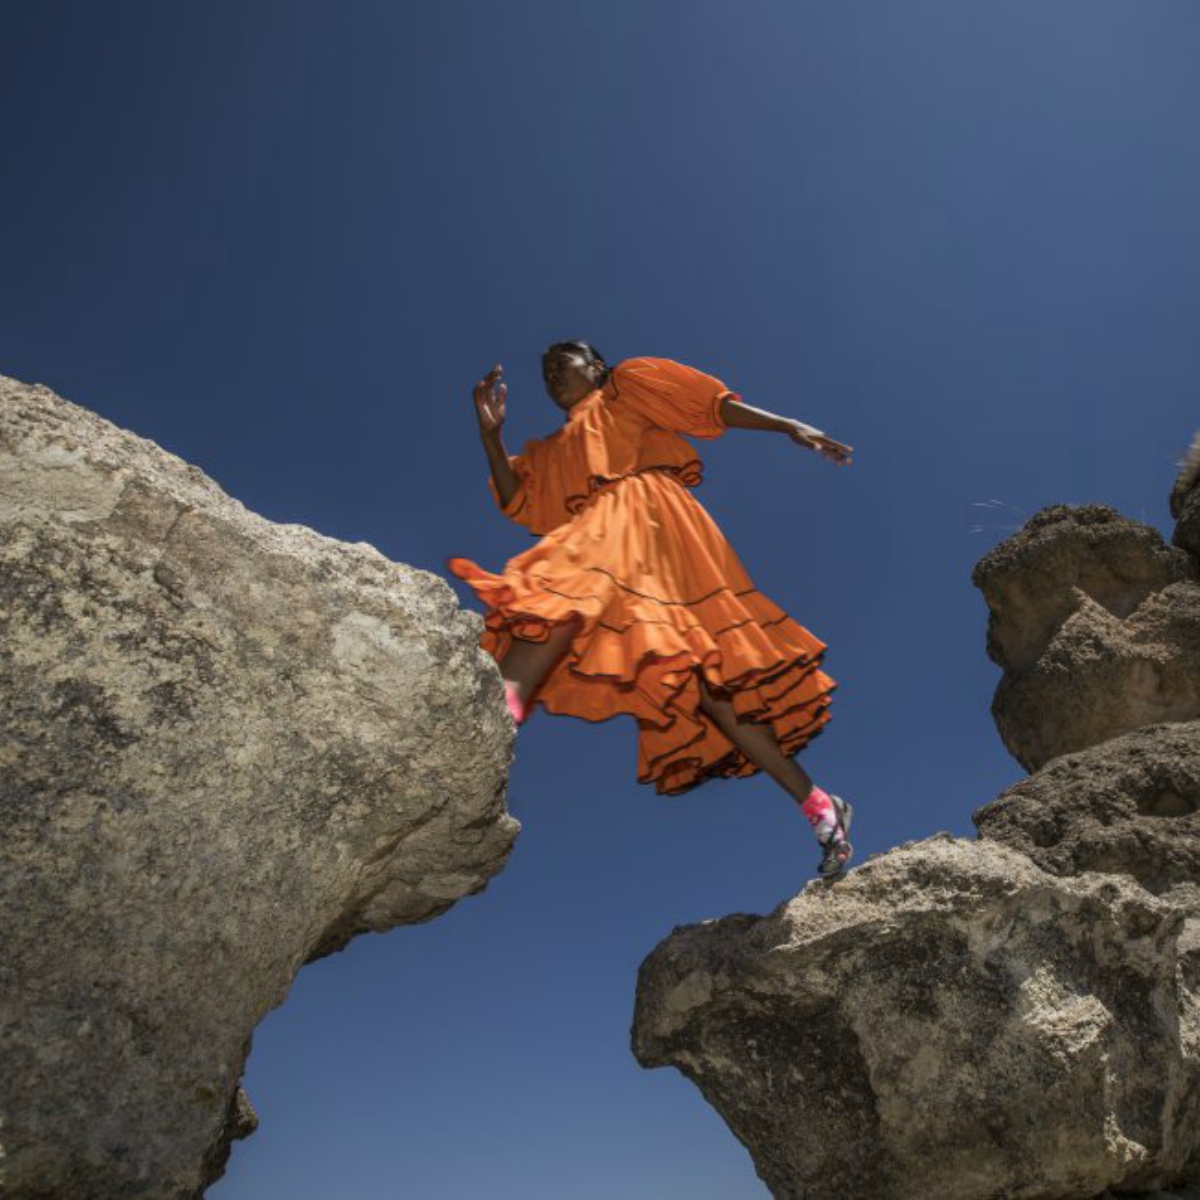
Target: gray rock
(1185, 482)
(948, 1021)
(1096, 622)
(1130, 805)
(1185, 503)
(226, 747)
(1179, 1193)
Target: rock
(1186, 480)
(227, 747)
(1187, 528)
(947, 1021)
(1096, 622)
(1180, 1193)
(1130, 805)
(1185, 502)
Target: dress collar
(583, 405)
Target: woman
(632, 601)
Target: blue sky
(283, 239)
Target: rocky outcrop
(949, 1021)
(1096, 623)
(226, 747)
(1127, 806)
(1015, 1017)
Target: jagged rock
(226, 747)
(1130, 805)
(240, 1122)
(1185, 502)
(1187, 479)
(948, 1021)
(1096, 622)
(1187, 528)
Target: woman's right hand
(489, 400)
(837, 452)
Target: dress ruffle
(660, 593)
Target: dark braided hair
(589, 352)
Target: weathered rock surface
(1096, 622)
(1179, 1193)
(1130, 805)
(948, 1021)
(1185, 502)
(226, 747)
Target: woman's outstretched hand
(489, 397)
(837, 452)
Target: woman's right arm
(504, 477)
(489, 408)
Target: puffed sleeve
(521, 507)
(672, 395)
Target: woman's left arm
(739, 415)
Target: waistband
(598, 484)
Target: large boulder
(948, 1022)
(1096, 622)
(226, 747)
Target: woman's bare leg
(757, 742)
(527, 663)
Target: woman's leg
(758, 743)
(527, 663)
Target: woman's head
(572, 370)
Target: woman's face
(569, 377)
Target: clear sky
(283, 239)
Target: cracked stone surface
(1096, 623)
(948, 1022)
(227, 746)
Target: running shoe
(836, 848)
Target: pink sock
(821, 814)
(518, 710)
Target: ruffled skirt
(661, 595)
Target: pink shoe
(520, 713)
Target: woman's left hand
(837, 452)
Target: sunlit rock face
(1096, 623)
(226, 747)
(949, 1021)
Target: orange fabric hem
(767, 664)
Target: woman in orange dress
(631, 600)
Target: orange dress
(625, 545)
